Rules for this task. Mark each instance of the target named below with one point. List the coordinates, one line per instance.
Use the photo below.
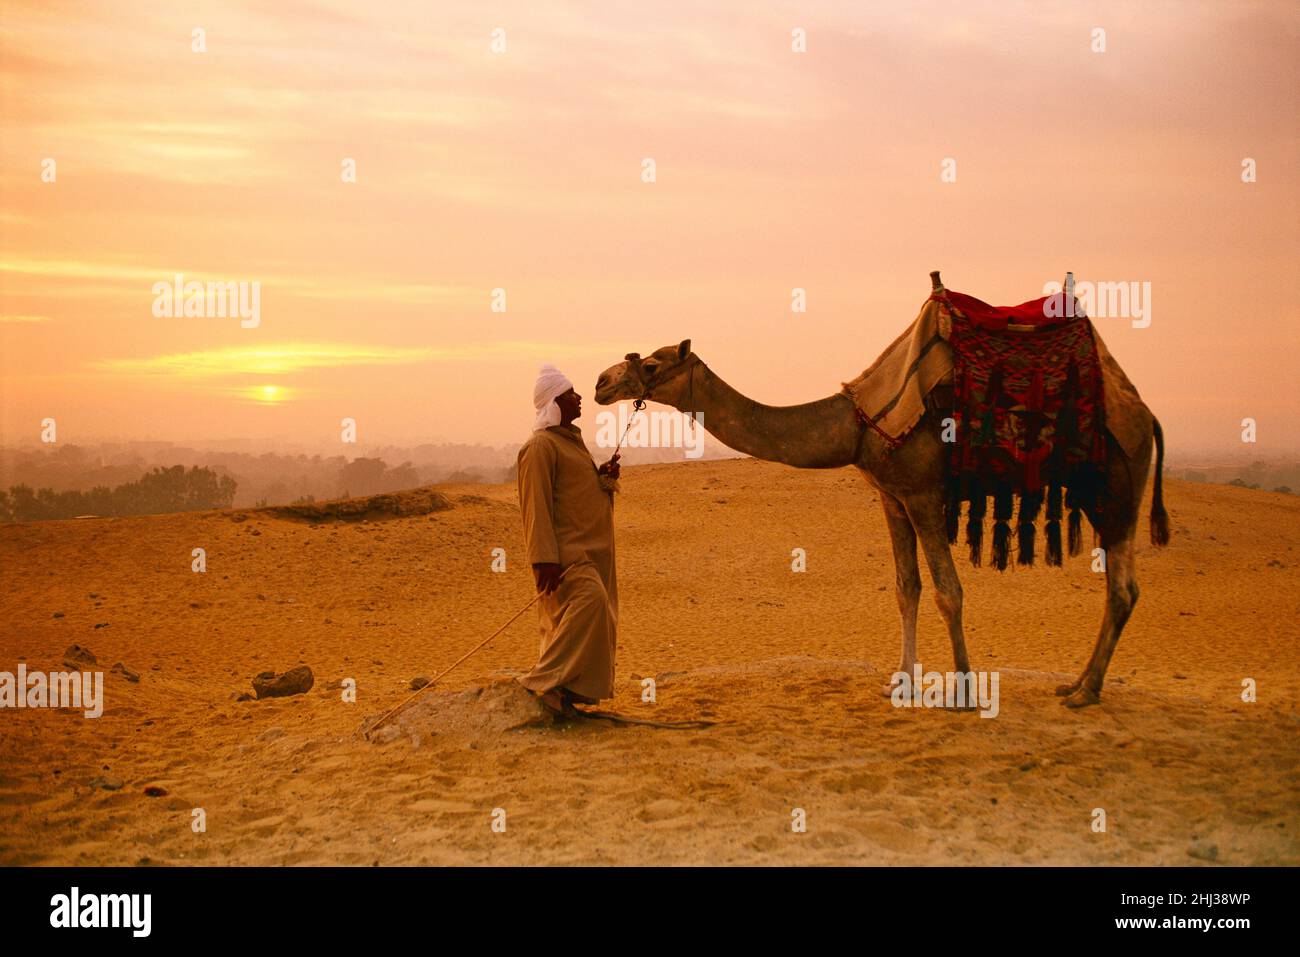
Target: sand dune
(788, 664)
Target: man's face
(570, 404)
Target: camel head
(658, 376)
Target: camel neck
(821, 434)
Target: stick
(374, 727)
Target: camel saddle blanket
(954, 329)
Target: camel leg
(927, 517)
(1121, 596)
(907, 579)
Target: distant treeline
(268, 478)
(1278, 476)
(285, 477)
(174, 489)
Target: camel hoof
(1064, 691)
(1082, 698)
(888, 690)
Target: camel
(827, 434)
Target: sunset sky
(522, 170)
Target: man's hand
(547, 575)
(610, 468)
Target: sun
(268, 394)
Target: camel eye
(649, 368)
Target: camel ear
(684, 349)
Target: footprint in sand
(264, 827)
(845, 784)
(20, 797)
(664, 809)
(441, 806)
(830, 839)
(892, 836)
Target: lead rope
(637, 406)
(375, 727)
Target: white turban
(551, 383)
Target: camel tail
(1159, 517)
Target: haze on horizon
(522, 170)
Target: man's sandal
(557, 702)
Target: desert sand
(788, 664)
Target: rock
(418, 682)
(107, 782)
(270, 734)
(102, 624)
(294, 681)
(1203, 851)
(57, 614)
(78, 657)
(154, 791)
(125, 672)
(245, 696)
(388, 732)
(476, 717)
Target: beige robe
(569, 520)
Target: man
(567, 506)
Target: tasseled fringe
(1029, 505)
(1002, 506)
(952, 507)
(975, 522)
(1058, 498)
(1054, 525)
(1076, 522)
(1001, 545)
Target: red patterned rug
(1027, 403)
